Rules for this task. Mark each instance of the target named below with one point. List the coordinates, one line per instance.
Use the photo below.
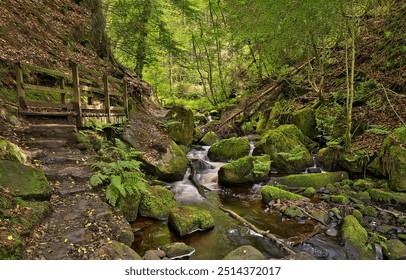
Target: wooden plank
(49, 105)
(47, 71)
(117, 108)
(48, 89)
(90, 71)
(120, 81)
(50, 114)
(115, 93)
(93, 107)
(62, 86)
(76, 90)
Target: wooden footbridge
(81, 97)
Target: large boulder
(270, 193)
(314, 180)
(288, 154)
(249, 169)
(355, 239)
(185, 220)
(161, 156)
(305, 120)
(246, 252)
(395, 250)
(129, 205)
(209, 138)
(156, 202)
(229, 149)
(394, 159)
(179, 123)
(24, 181)
(328, 157)
(10, 151)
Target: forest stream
(228, 234)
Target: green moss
(340, 199)
(376, 167)
(245, 253)
(364, 196)
(387, 197)
(10, 151)
(248, 169)
(357, 214)
(293, 132)
(209, 138)
(305, 120)
(177, 249)
(384, 228)
(336, 211)
(317, 180)
(157, 202)
(395, 250)
(187, 219)
(180, 125)
(229, 149)
(328, 157)
(370, 211)
(293, 212)
(270, 193)
(363, 184)
(309, 192)
(402, 236)
(129, 205)
(11, 245)
(24, 181)
(355, 239)
(174, 164)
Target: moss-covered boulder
(246, 252)
(249, 169)
(305, 120)
(10, 151)
(387, 197)
(24, 181)
(292, 131)
(353, 163)
(179, 123)
(185, 220)
(129, 205)
(157, 202)
(287, 152)
(229, 149)
(209, 138)
(394, 159)
(315, 180)
(270, 193)
(115, 250)
(355, 239)
(395, 250)
(327, 157)
(375, 168)
(177, 250)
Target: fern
(112, 195)
(378, 129)
(296, 154)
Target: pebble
(332, 232)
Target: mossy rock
(115, 250)
(11, 245)
(305, 120)
(394, 159)
(387, 197)
(395, 250)
(129, 205)
(246, 252)
(229, 149)
(331, 120)
(287, 152)
(200, 119)
(157, 202)
(357, 214)
(309, 191)
(249, 169)
(355, 239)
(315, 180)
(293, 212)
(321, 216)
(340, 199)
(179, 123)
(370, 211)
(375, 168)
(185, 220)
(174, 164)
(209, 138)
(177, 250)
(352, 163)
(10, 151)
(270, 193)
(363, 184)
(327, 157)
(24, 181)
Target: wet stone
(151, 256)
(332, 232)
(80, 236)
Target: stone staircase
(81, 224)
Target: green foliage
(295, 154)
(378, 129)
(122, 176)
(375, 237)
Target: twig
(283, 244)
(303, 238)
(311, 216)
(387, 98)
(396, 215)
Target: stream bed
(228, 234)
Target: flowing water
(228, 234)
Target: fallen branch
(395, 214)
(304, 237)
(313, 217)
(283, 244)
(390, 104)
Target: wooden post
(76, 92)
(125, 98)
(20, 85)
(106, 96)
(62, 86)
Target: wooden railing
(83, 93)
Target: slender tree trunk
(171, 83)
(141, 50)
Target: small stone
(151, 256)
(332, 232)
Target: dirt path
(81, 225)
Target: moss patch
(129, 205)
(24, 181)
(245, 253)
(355, 239)
(305, 120)
(248, 169)
(229, 149)
(157, 202)
(395, 250)
(10, 151)
(316, 181)
(185, 220)
(209, 138)
(174, 164)
(387, 197)
(270, 193)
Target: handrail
(106, 89)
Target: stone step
(50, 130)
(76, 173)
(46, 143)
